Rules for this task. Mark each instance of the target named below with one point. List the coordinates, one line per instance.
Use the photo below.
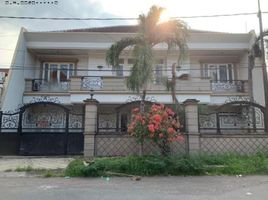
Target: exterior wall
(82, 65)
(15, 84)
(242, 68)
(89, 50)
(98, 60)
(257, 77)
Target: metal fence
(111, 144)
(242, 144)
(246, 120)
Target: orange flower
(180, 138)
(143, 122)
(157, 118)
(170, 112)
(138, 118)
(171, 130)
(151, 128)
(135, 110)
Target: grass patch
(226, 164)
(39, 171)
(24, 169)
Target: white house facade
(68, 67)
(58, 64)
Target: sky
(9, 28)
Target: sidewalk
(13, 163)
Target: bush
(75, 168)
(160, 125)
(164, 165)
(186, 166)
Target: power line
(34, 67)
(123, 18)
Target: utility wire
(123, 18)
(20, 67)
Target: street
(117, 188)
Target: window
(119, 70)
(57, 72)
(158, 73)
(218, 72)
(130, 61)
(124, 122)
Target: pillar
(91, 107)
(191, 117)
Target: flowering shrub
(159, 125)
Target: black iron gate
(43, 128)
(234, 117)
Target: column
(91, 107)
(191, 117)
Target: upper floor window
(57, 72)
(218, 72)
(158, 72)
(118, 71)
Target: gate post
(91, 107)
(191, 121)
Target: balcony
(234, 86)
(39, 85)
(113, 84)
(118, 84)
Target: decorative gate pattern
(46, 128)
(242, 116)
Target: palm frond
(142, 70)
(113, 53)
(174, 33)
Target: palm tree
(150, 33)
(173, 33)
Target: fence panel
(112, 144)
(242, 144)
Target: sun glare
(165, 16)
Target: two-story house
(67, 67)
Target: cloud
(65, 8)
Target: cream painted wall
(258, 90)
(242, 68)
(30, 64)
(15, 84)
(82, 66)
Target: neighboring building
(67, 66)
(3, 75)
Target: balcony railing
(118, 84)
(40, 85)
(240, 86)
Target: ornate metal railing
(40, 85)
(229, 86)
(230, 121)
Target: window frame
(46, 70)
(207, 68)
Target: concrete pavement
(12, 163)
(117, 188)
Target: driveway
(116, 188)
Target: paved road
(188, 188)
